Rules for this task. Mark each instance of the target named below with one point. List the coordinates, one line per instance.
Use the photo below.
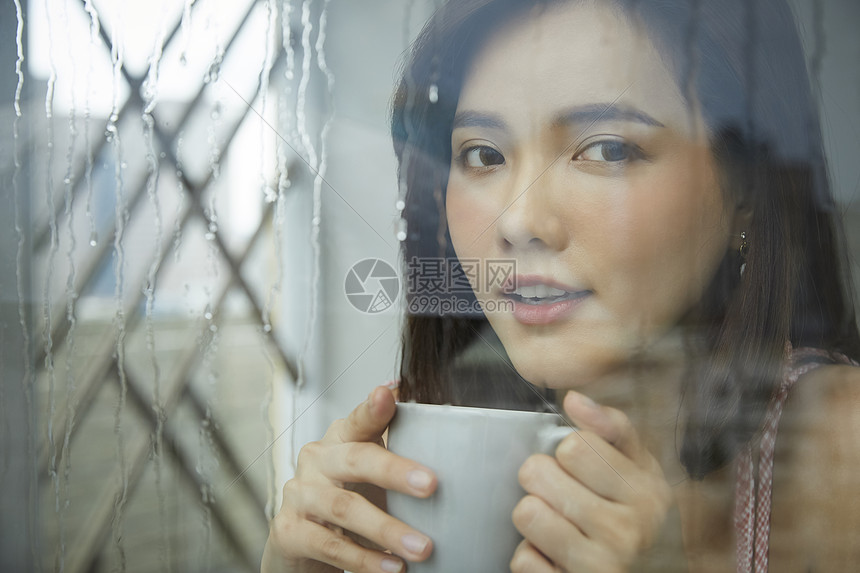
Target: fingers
(610, 424)
(367, 422)
(353, 512)
(321, 544)
(527, 559)
(556, 538)
(592, 514)
(598, 466)
(362, 462)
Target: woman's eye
(611, 151)
(482, 156)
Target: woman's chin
(562, 373)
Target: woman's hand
(598, 504)
(320, 522)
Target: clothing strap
(753, 512)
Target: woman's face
(575, 155)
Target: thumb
(367, 422)
(610, 424)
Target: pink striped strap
(752, 513)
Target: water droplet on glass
(433, 93)
(210, 236)
(94, 239)
(315, 221)
(162, 155)
(267, 328)
(400, 205)
(208, 316)
(401, 229)
(213, 227)
(123, 165)
(270, 195)
(213, 328)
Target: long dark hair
(743, 63)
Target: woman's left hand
(595, 506)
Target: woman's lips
(541, 300)
(531, 311)
(534, 280)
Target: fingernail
(419, 479)
(415, 543)
(587, 402)
(391, 385)
(391, 565)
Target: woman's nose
(530, 219)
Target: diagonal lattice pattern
(101, 367)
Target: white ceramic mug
(476, 454)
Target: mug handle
(550, 437)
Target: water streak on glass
(285, 141)
(307, 144)
(301, 99)
(88, 171)
(819, 51)
(19, 72)
(284, 145)
(751, 71)
(401, 228)
(270, 195)
(180, 206)
(185, 25)
(71, 300)
(120, 220)
(207, 462)
(690, 72)
(54, 247)
(319, 178)
(150, 97)
(28, 379)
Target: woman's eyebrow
(601, 112)
(579, 115)
(469, 118)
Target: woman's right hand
(320, 515)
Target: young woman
(655, 172)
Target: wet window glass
(465, 285)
